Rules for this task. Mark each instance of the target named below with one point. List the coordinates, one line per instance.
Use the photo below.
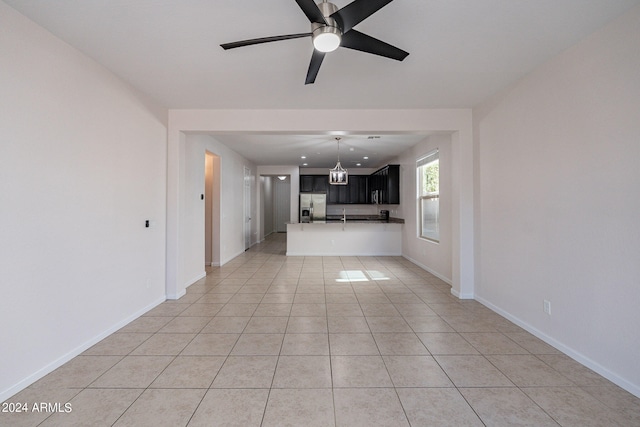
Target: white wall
(433, 257)
(231, 205)
(559, 201)
(82, 166)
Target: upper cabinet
(355, 192)
(339, 194)
(314, 183)
(321, 183)
(385, 183)
(306, 183)
(358, 189)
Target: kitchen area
(352, 218)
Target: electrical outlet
(546, 306)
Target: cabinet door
(358, 189)
(332, 194)
(338, 194)
(373, 186)
(321, 183)
(386, 181)
(352, 188)
(393, 185)
(363, 190)
(384, 189)
(343, 193)
(306, 183)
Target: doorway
(211, 209)
(282, 202)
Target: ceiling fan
(332, 28)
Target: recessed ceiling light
(358, 164)
(366, 157)
(303, 157)
(305, 164)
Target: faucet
(344, 216)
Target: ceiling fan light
(326, 39)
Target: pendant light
(338, 175)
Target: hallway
(270, 340)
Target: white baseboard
(190, 282)
(226, 260)
(458, 295)
(16, 388)
(575, 355)
(424, 267)
(177, 296)
(193, 280)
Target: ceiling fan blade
(314, 66)
(364, 43)
(310, 8)
(356, 12)
(250, 42)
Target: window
(428, 174)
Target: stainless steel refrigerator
(313, 207)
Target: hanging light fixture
(338, 175)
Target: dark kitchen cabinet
(357, 188)
(338, 194)
(386, 183)
(355, 192)
(306, 183)
(314, 183)
(320, 183)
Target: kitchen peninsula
(353, 237)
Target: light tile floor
(270, 340)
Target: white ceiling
(461, 51)
(321, 151)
